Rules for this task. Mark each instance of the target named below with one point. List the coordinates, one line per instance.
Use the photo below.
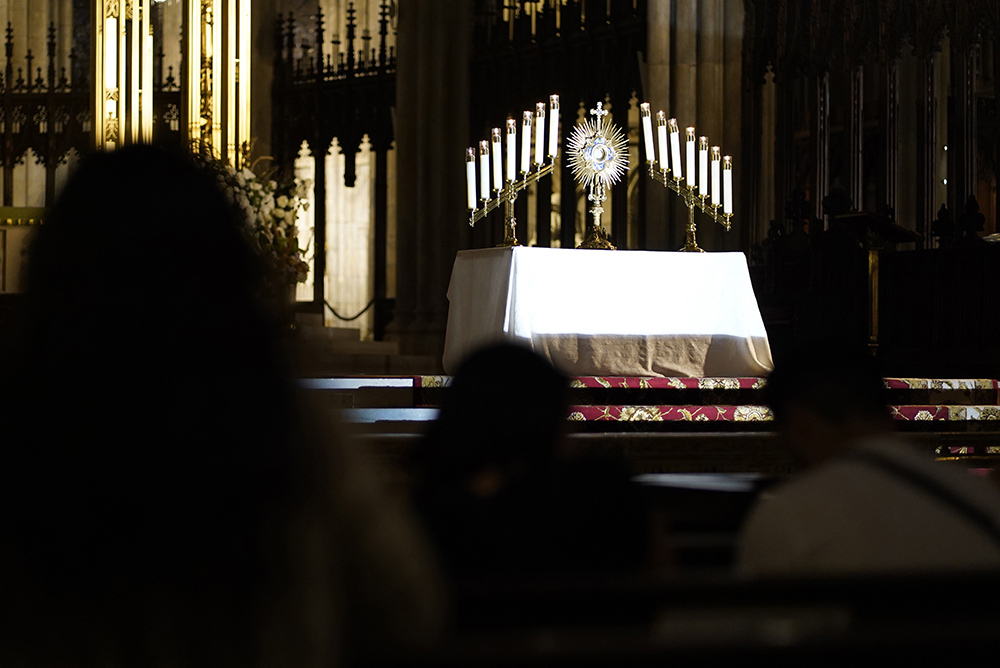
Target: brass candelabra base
(690, 239)
(509, 230)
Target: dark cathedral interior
(286, 376)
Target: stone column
(694, 70)
(37, 23)
(262, 28)
(684, 106)
(820, 128)
(891, 134)
(856, 139)
(431, 117)
(659, 232)
(17, 16)
(715, 111)
(63, 13)
(747, 230)
(926, 146)
(962, 115)
(380, 235)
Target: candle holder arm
(507, 196)
(693, 201)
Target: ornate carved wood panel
(45, 108)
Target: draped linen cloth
(610, 313)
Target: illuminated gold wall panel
(123, 72)
(217, 98)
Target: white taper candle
(539, 133)
(484, 170)
(511, 149)
(526, 143)
(661, 137)
(647, 131)
(703, 166)
(497, 160)
(727, 184)
(692, 181)
(470, 176)
(553, 126)
(716, 177)
(675, 149)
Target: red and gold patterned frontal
(671, 413)
(741, 399)
(666, 423)
(667, 383)
(665, 404)
(622, 403)
(957, 391)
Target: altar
(610, 313)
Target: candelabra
(504, 186)
(716, 203)
(598, 154)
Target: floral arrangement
(270, 207)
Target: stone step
(338, 334)
(309, 319)
(357, 347)
(670, 452)
(310, 327)
(646, 453)
(325, 363)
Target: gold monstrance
(598, 155)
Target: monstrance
(598, 155)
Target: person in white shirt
(866, 501)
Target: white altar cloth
(610, 313)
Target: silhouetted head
(140, 310)
(497, 495)
(139, 244)
(824, 396)
(505, 410)
(151, 464)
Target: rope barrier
(355, 317)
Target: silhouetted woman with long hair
(164, 499)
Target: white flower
(282, 201)
(279, 213)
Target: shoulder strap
(973, 514)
